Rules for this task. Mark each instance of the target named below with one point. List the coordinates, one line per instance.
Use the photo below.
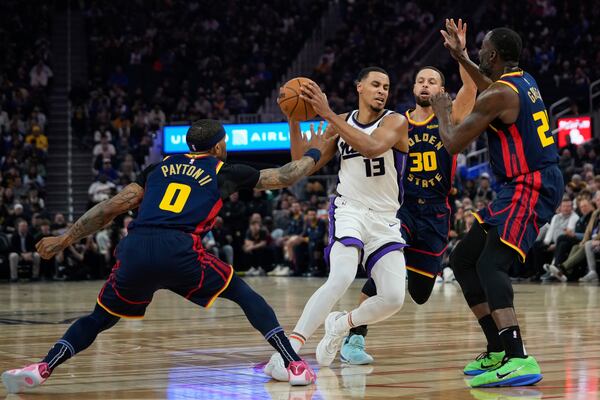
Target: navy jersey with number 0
(185, 191)
(526, 145)
(430, 168)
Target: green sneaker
(484, 362)
(514, 372)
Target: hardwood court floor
(182, 352)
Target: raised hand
(455, 37)
(319, 140)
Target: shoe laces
(485, 354)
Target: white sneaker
(439, 279)
(448, 275)
(251, 272)
(275, 368)
(16, 380)
(591, 276)
(557, 273)
(546, 267)
(284, 271)
(260, 272)
(274, 271)
(332, 341)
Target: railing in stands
(554, 115)
(594, 92)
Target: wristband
(315, 154)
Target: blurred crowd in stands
(25, 81)
(151, 63)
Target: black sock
(280, 342)
(359, 330)
(512, 341)
(494, 344)
(79, 336)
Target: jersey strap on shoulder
(507, 83)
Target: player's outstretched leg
(389, 274)
(518, 368)
(262, 317)
(80, 335)
(463, 262)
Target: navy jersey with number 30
(430, 168)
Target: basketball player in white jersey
(363, 227)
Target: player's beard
(485, 69)
(422, 102)
(376, 108)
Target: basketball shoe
(275, 368)
(353, 351)
(33, 375)
(513, 372)
(484, 362)
(332, 341)
(297, 373)
(300, 373)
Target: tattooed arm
(277, 178)
(93, 220)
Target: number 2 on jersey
(175, 197)
(543, 129)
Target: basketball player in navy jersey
(178, 200)
(524, 158)
(425, 213)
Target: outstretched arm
(458, 51)
(298, 145)
(465, 98)
(490, 105)
(93, 220)
(277, 178)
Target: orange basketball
(290, 102)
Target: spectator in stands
(40, 75)
(583, 253)
(566, 219)
(258, 204)
(100, 190)
(47, 267)
(38, 140)
(234, 216)
(255, 247)
(223, 241)
(59, 225)
(484, 191)
(566, 241)
(108, 172)
(23, 251)
(315, 234)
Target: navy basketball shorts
(522, 206)
(425, 227)
(149, 259)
